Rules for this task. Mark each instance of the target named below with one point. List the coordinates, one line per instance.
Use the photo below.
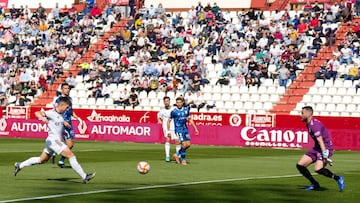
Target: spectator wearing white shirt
(198, 101)
(346, 54)
(333, 65)
(231, 57)
(263, 41)
(126, 76)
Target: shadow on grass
(74, 180)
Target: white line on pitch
(146, 187)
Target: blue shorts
(183, 136)
(69, 133)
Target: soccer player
(181, 115)
(53, 143)
(320, 154)
(163, 117)
(69, 130)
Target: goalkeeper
(320, 154)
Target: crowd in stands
(35, 46)
(158, 51)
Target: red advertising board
(245, 136)
(17, 112)
(99, 115)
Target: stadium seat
(216, 88)
(248, 105)
(226, 97)
(332, 91)
(264, 97)
(238, 105)
(142, 95)
(274, 98)
(326, 99)
(322, 91)
(340, 108)
(316, 98)
(235, 89)
(320, 107)
(280, 90)
(271, 90)
(341, 91)
(254, 97)
(313, 90)
(207, 88)
(216, 96)
(245, 97)
(160, 95)
(229, 105)
(225, 89)
(351, 91)
(338, 83)
(351, 108)
(336, 99)
(348, 83)
(319, 83)
(268, 82)
(152, 95)
(346, 99)
(267, 105)
(258, 105)
(243, 89)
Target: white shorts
(174, 136)
(56, 146)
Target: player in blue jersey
(320, 154)
(69, 130)
(55, 121)
(181, 115)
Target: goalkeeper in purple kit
(320, 154)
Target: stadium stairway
(306, 78)
(278, 5)
(47, 97)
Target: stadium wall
(272, 131)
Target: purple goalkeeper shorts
(315, 154)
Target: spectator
(133, 98)
(154, 83)
(198, 101)
(71, 80)
(284, 74)
(20, 100)
(123, 99)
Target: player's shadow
(64, 167)
(64, 179)
(301, 187)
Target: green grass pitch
(214, 174)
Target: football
(143, 167)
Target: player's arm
(168, 124)
(160, 120)
(76, 117)
(191, 121)
(41, 116)
(324, 151)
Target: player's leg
(184, 146)
(67, 153)
(68, 137)
(302, 165)
(177, 145)
(167, 146)
(177, 155)
(45, 155)
(320, 169)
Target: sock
(167, 149)
(29, 162)
(306, 173)
(182, 153)
(76, 167)
(62, 160)
(327, 173)
(178, 148)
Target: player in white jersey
(163, 117)
(54, 141)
